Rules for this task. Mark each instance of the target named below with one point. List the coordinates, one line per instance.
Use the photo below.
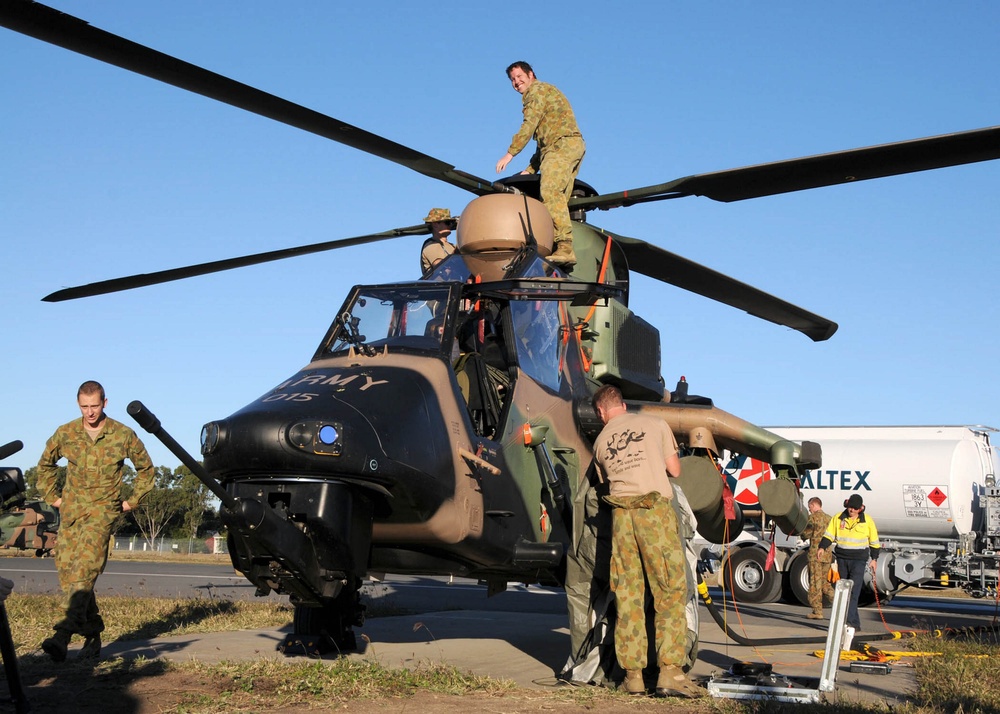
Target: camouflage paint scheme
(32, 525)
(423, 479)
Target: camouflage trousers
(560, 164)
(81, 555)
(819, 585)
(646, 547)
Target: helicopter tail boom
(706, 427)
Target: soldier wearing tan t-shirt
(637, 455)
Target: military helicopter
(443, 425)
(25, 524)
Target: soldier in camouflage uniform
(437, 248)
(95, 448)
(819, 562)
(548, 118)
(635, 454)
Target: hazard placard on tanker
(926, 502)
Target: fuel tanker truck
(931, 491)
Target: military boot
(633, 682)
(672, 682)
(815, 615)
(91, 648)
(55, 646)
(563, 255)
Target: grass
(128, 618)
(256, 685)
(964, 677)
(960, 679)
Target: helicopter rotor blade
(671, 268)
(58, 28)
(934, 152)
(217, 266)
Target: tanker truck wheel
(797, 590)
(746, 579)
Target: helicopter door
(537, 329)
(481, 395)
(481, 369)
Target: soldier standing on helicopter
(636, 455)
(548, 118)
(95, 448)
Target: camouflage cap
(440, 214)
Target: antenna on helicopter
(529, 234)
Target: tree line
(179, 506)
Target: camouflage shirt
(94, 468)
(815, 529)
(548, 117)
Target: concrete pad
(531, 648)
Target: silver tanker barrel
(248, 517)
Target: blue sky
(106, 173)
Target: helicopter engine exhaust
(257, 524)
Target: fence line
(182, 546)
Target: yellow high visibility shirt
(852, 534)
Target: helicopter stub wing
(671, 268)
(142, 280)
(935, 152)
(57, 28)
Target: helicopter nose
(343, 429)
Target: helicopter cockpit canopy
(404, 317)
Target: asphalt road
(397, 594)
(410, 594)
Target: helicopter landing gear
(327, 628)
